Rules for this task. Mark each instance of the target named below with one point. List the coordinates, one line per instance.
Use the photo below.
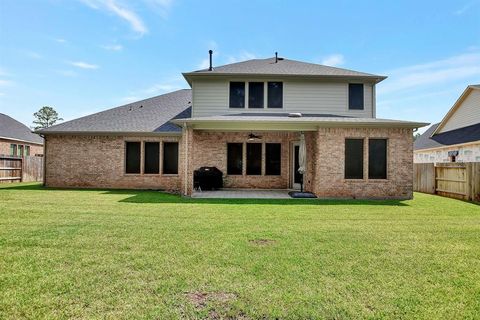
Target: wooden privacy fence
(25, 169)
(454, 180)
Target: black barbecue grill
(208, 178)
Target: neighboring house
(457, 137)
(16, 139)
(246, 119)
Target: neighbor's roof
(325, 120)
(145, 116)
(13, 129)
(284, 67)
(453, 137)
(455, 107)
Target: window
(234, 158)
(20, 150)
(151, 157)
(170, 158)
(377, 159)
(254, 158)
(132, 158)
(255, 94)
(353, 158)
(275, 94)
(273, 159)
(13, 149)
(237, 94)
(27, 150)
(355, 96)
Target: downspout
(44, 160)
(185, 164)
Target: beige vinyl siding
(317, 97)
(467, 114)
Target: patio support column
(187, 178)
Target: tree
(45, 117)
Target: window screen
(237, 94)
(377, 159)
(353, 158)
(255, 94)
(355, 96)
(234, 158)
(273, 159)
(254, 158)
(170, 158)
(27, 150)
(275, 94)
(152, 157)
(20, 150)
(132, 159)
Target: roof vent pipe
(276, 57)
(210, 52)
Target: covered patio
(243, 194)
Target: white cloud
(2, 94)
(33, 55)
(67, 73)
(161, 88)
(113, 47)
(465, 8)
(4, 83)
(242, 56)
(60, 40)
(130, 99)
(84, 65)
(204, 64)
(121, 10)
(333, 60)
(459, 67)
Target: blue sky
(83, 56)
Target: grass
(144, 254)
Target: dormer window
(237, 94)
(355, 96)
(255, 94)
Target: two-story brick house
(246, 119)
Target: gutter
(108, 133)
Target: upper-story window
(237, 94)
(355, 96)
(256, 95)
(275, 95)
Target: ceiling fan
(252, 137)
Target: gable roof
(284, 67)
(428, 140)
(146, 116)
(13, 129)
(455, 107)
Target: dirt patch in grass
(262, 242)
(218, 304)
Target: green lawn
(133, 254)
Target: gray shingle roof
(462, 135)
(320, 119)
(150, 115)
(13, 129)
(282, 67)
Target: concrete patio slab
(242, 194)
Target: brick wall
(98, 162)
(5, 147)
(329, 164)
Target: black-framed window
(377, 158)
(132, 157)
(170, 158)
(254, 159)
(355, 96)
(353, 158)
(273, 159)
(237, 94)
(234, 158)
(275, 95)
(255, 94)
(151, 159)
(27, 150)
